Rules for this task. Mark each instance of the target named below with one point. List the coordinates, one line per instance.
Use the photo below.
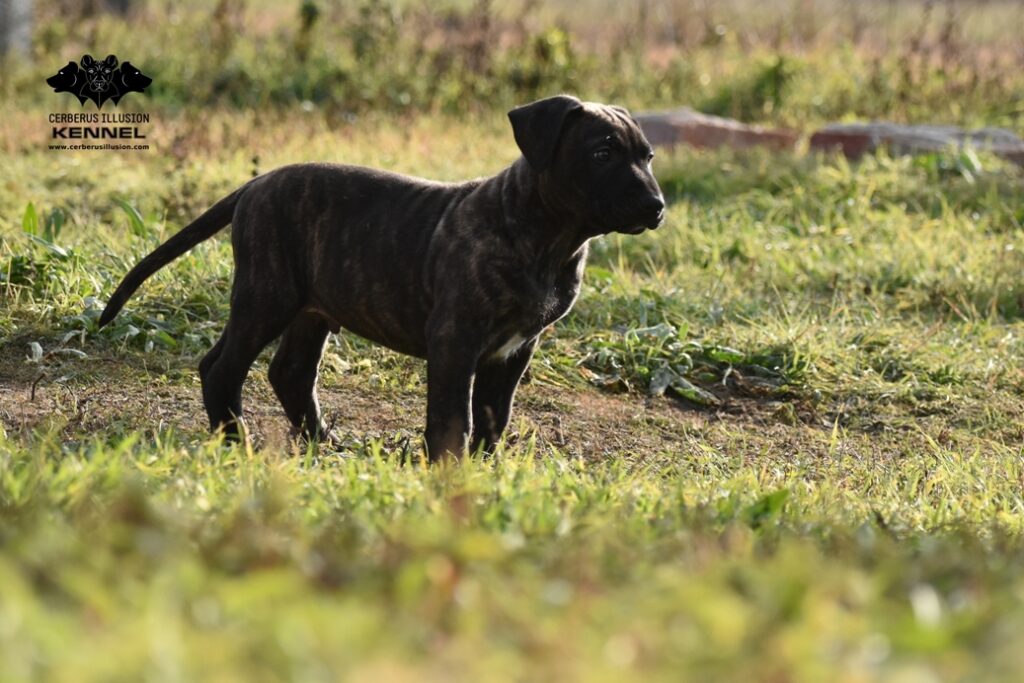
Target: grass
(191, 560)
(830, 487)
(789, 63)
(779, 439)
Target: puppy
(465, 275)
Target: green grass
(778, 439)
(780, 61)
(836, 497)
(176, 559)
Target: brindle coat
(466, 275)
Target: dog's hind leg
(210, 358)
(294, 371)
(251, 326)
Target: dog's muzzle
(653, 212)
(649, 213)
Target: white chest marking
(509, 347)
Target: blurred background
(787, 62)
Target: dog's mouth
(633, 229)
(650, 223)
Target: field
(778, 439)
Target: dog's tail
(216, 218)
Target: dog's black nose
(654, 207)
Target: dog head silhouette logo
(68, 79)
(99, 75)
(99, 81)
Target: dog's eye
(650, 155)
(602, 155)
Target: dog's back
(367, 269)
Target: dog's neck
(546, 230)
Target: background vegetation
(779, 439)
(788, 61)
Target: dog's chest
(550, 304)
(510, 346)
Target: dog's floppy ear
(538, 125)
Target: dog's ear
(87, 61)
(110, 61)
(538, 125)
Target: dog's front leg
(451, 361)
(494, 389)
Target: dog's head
(593, 163)
(99, 74)
(66, 79)
(131, 79)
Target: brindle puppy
(466, 275)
